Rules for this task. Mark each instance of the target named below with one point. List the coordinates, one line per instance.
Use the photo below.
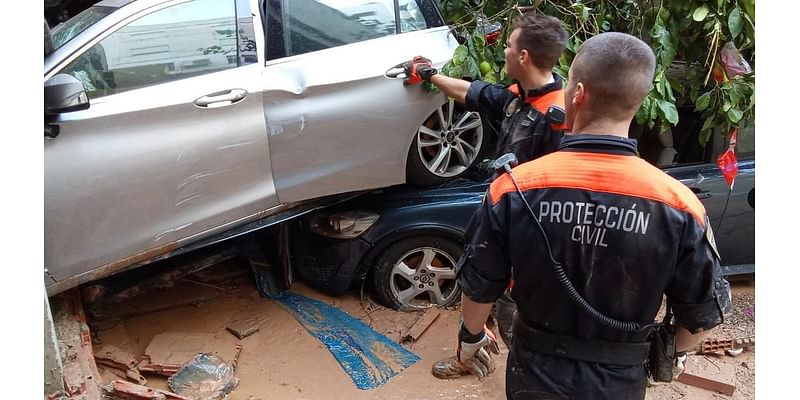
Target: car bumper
(328, 264)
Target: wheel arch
(387, 240)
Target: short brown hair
(617, 70)
(542, 36)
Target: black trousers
(531, 375)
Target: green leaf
(708, 128)
(749, 8)
(653, 110)
(677, 86)
(670, 96)
(700, 13)
(661, 87)
(704, 136)
(734, 115)
(643, 114)
(726, 106)
(460, 55)
(669, 111)
(472, 68)
(490, 77)
(703, 102)
(735, 22)
(719, 4)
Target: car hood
(460, 191)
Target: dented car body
(207, 117)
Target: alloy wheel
(450, 140)
(424, 277)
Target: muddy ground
(282, 361)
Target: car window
(311, 25)
(176, 42)
(411, 17)
(66, 31)
(746, 142)
(675, 145)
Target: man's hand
(417, 70)
(473, 351)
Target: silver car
(171, 122)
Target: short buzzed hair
(542, 36)
(617, 70)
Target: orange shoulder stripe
(554, 98)
(598, 172)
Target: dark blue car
(405, 241)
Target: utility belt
(588, 350)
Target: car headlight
(343, 225)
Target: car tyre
(418, 273)
(449, 142)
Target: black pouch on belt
(662, 350)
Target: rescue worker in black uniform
(533, 119)
(532, 108)
(625, 234)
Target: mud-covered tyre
(418, 273)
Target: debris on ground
(704, 373)
(731, 347)
(421, 325)
(81, 377)
(181, 295)
(245, 323)
(119, 362)
(369, 357)
(122, 390)
(178, 348)
(204, 377)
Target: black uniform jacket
(525, 130)
(626, 233)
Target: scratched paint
(367, 356)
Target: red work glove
(474, 356)
(417, 70)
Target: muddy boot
(448, 368)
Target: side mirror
(64, 93)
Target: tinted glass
(746, 142)
(411, 17)
(63, 33)
(176, 42)
(311, 25)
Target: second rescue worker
(657, 241)
(531, 109)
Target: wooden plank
(709, 375)
(421, 325)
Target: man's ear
(579, 96)
(525, 57)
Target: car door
(336, 122)
(737, 226)
(679, 153)
(172, 148)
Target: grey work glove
(680, 364)
(473, 351)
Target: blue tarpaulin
(367, 356)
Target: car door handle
(700, 193)
(221, 99)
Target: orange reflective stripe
(543, 102)
(605, 173)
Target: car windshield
(63, 33)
